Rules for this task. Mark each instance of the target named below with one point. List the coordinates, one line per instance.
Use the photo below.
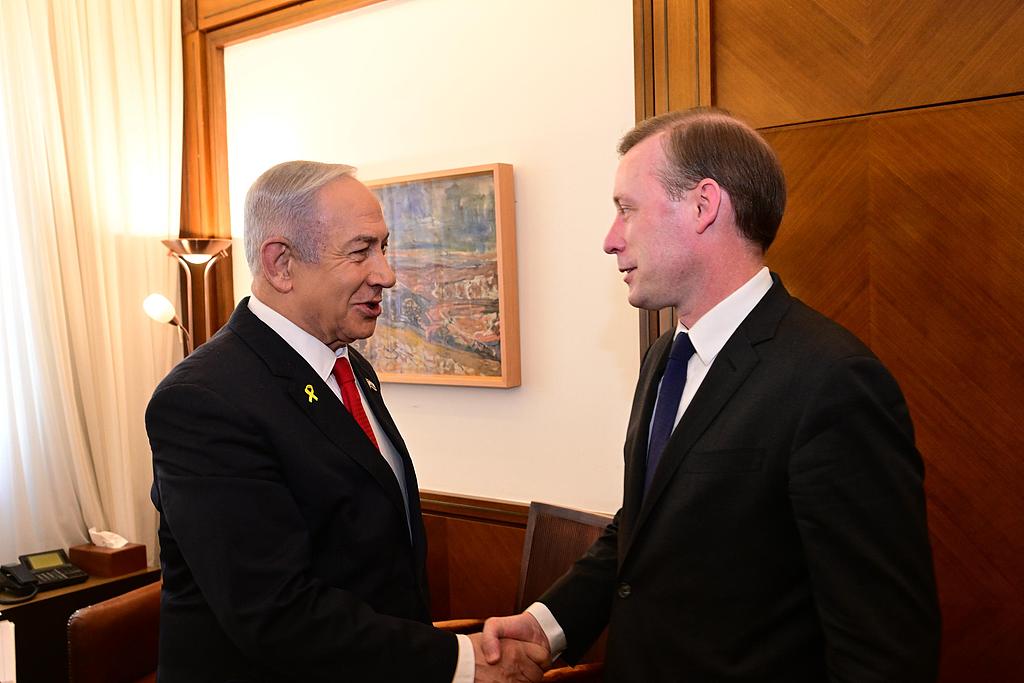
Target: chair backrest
(115, 641)
(555, 538)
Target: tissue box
(98, 561)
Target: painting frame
(502, 261)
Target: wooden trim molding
(474, 509)
(216, 13)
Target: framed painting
(453, 315)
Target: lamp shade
(159, 308)
(197, 250)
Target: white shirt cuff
(554, 632)
(465, 667)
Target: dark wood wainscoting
(475, 549)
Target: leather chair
(555, 538)
(115, 641)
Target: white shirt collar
(712, 331)
(319, 356)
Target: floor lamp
(196, 258)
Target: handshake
(511, 649)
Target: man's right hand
(516, 661)
(522, 627)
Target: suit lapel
(730, 369)
(363, 371)
(728, 372)
(371, 389)
(639, 433)
(325, 411)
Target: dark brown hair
(711, 143)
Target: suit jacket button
(624, 590)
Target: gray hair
(283, 203)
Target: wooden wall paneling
(907, 228)
(705, 74)
(822, 59)
(436, 528)
(474, 552)
(821, 250)
(932, 51)
(804, 63)
(478, 573)
(949, 293)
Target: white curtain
(90, 178)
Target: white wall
(409, 86)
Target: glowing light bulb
(159, 308)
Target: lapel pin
(372, 385)
(309, 392)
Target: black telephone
(38, 572)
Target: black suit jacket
(784, 537)
(285, 549)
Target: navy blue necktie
(672, 383)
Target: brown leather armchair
(115, 641)
(555, 538)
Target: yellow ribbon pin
(309, 392)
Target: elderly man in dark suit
(292, 544)
(773, 523)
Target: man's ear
(709, 202)
(277, 260)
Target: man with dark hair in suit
(292, 543)
(773, 523)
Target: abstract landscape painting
(452, 316)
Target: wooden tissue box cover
(97, 561)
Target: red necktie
(350, 396)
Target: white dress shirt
(321, 358)
(708, 335)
